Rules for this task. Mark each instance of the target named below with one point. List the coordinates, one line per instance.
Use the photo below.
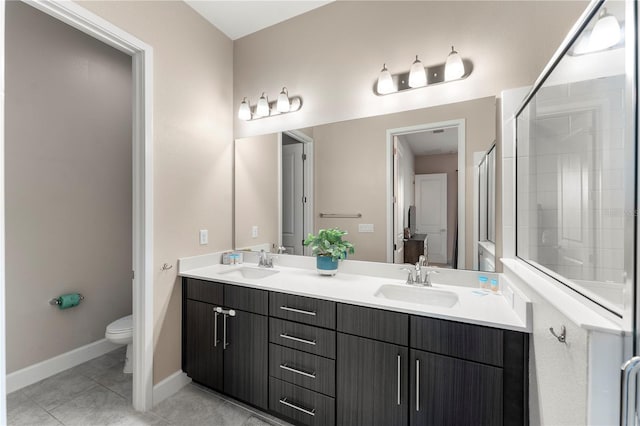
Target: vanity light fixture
(283, 105)
(417, 74)
(262, 109)
(454, 68)
(244, 112)
(385, 81)
(606, 32)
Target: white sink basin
(250, 273)
(417, 295)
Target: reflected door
(292, 198)
(431, 212)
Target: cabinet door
(246, 368)
(451, 391)
(203, 356)
(371, 382)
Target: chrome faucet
(265, 261)
(419, 275)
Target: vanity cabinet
(225, 339)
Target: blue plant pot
(325, 265)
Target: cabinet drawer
(303, 309)
(246, 299)
(204, 291)
(302, 405)
(300, 368)
(465, 341)
(392, 327)
(303, 337)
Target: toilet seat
(120, 327)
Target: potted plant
(329, 247)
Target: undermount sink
(417, 295)
(250, 273)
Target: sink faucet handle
(410, 279)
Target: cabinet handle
(417, 385)
(215, 328)
(297, 339)
(284, 401)
(398, 379)
(298, 311)
(224, 338)
(295, 370)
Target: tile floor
(99, 393)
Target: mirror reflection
(401, 185)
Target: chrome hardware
(342, 215)
(265, 261)
(284, 401)
(297, 339)
(166, 267)
(417, 385)
(398, 379)
(224, 333)
(215, 328)
(226, 313)
(628, 392)
(410, 280)
(297, 311)
(562, 337)
(282, 250)
(295, 370)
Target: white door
(398, 206)
(292, 198)
(431, 212)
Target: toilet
(121, 332)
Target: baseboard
(36, 372)
(169, 386)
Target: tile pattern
(98, 393)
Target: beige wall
(331, 56)
(68, 185)
(193, 147)
(256, 190)
(350, 168)
(445, 163)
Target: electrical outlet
(204, 237)
(254, 231)
(365, 227)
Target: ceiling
(445, 141)
(240, 18)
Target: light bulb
(605, 33)
(385, 81)
(262, 109)
(417, 74)
(283, 104)
(244, 112)
(453, 67)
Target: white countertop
(488, 310)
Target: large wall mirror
(375, 177)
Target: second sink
(250, 273)
(417, 295)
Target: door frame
(142, 173)
(391, 133)
(307, 189)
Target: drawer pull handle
(284, 401)
(399, 380)
(297, 339)
(417, 385)
(295, 370)
(298, 311)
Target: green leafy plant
(329, 242)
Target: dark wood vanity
(414, 247)
(323, 363)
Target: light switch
(204, 237)
(254, 231)
(365, 227)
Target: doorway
(426, 186)
(142, 197)
(296, 189)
